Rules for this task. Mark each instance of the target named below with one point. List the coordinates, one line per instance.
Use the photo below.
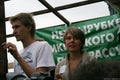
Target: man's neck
(27, 42)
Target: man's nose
(14, 31)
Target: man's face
(19, 30)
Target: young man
(37, 55)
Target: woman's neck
(74, 60)
(75, 55)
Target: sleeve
(45, 56)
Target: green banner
(101, 37)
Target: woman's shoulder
(60, 66)
(63, 62)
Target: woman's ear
(29, 28)
(119, 37)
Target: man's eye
(17, 26)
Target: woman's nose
(72, 39)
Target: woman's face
(72, 43)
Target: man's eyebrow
(15, 26)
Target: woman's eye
(68, 38)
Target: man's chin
(18, 39)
